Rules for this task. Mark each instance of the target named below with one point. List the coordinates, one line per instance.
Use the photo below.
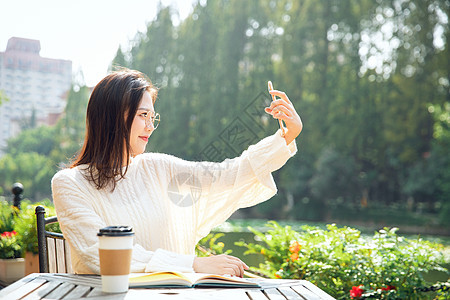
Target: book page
(159, 279)
(210, 279)
(186, 279)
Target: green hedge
(347, 265)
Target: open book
(176, 279)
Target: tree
(335, 177)
(441, 160)
(362, 74)
(40, 140)
(70, 129)
(35, 155)
(33, 170)
(119, 60)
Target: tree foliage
(36, 154)
(362, 74)
(369, 78)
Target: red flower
(388, 288)
(294, 256)
(295, 247)
(8, 234)
(356, 292)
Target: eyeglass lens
(155, 120)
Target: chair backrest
(54, 252)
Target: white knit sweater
(170, 203)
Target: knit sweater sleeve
(80, 223)
(222, 188)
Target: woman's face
(139, 131)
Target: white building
(31, 83)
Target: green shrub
(346, 265)
(25, 224)
(7, 213)
(9, 240)
(9, 246)
(207, 246)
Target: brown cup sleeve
(115, 262)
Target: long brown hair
(110, 113)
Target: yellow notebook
(177, 279)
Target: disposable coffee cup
(115, 250)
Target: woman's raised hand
(283, 109)
(220, 264)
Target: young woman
(170, 203)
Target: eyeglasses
(152, 120)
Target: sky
(87, 32)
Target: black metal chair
(54, 253)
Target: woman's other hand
(220, 264)
(283, 109)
